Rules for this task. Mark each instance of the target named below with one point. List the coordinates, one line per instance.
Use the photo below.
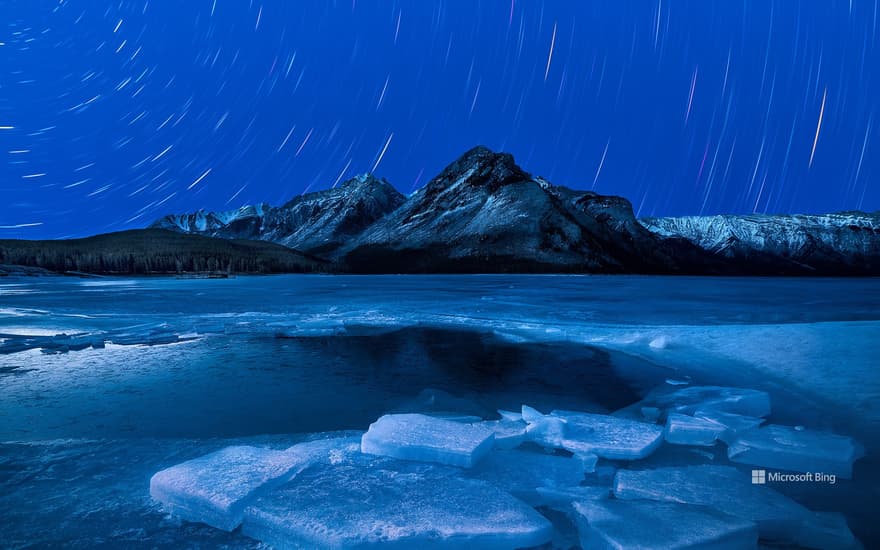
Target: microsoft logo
(759, 477)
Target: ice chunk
(720, 487)
(826, 531)
(787, 448)
(719, 398)
(520, 473)
(733, 423)
(382, 503)
(455, 417)
(510, 415)
(660, 526)
(508, 434)
(587, 460)
(530, 414)
(425, 438)
(545, 430)
(688, 430)
(586, 433)
(651, 414)
(215, 488)
(562, 497)
(661, 342)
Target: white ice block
(215, 488)
(734, 424)
(425, 438)
(508, 433)
(563, 497)
(520, 473)
(720, 487)
(603, 435)
(383, 503)
(827, 531)
(688, 430)
(742, 401)
(510, 415)
(621, 524)
(786, 448)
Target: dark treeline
(156, 251)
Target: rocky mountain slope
(483, 213)
(317, 223)
(846, 243)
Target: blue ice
(426, 438)
(586, 433)
(214, 489)
(508, 433)
(723, 488)
(787, 448)
(521, 472)
(374, 502)
(741, 401)
(622, 524)
(688, 430)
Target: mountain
(156, 251)
(241, 223)
(846, 243)
(483, 213)
(316, 223)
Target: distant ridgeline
(482, 214)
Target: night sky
(113, 114)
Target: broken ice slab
(215, 488)
(586, 433)
(456, 417)
(718, 398)
(383, 503)
(688, 430)
(720, 487)
(543, 429)
(560, 498)
(520, 473)
(588, 461)
(624, 524)
(787, 448)
(733, 424)
(826, 531)
(425, 438)
(651, 414)
(510, 415)
(508, 433)
(59, 343)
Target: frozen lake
(103, 382)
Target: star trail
(114, 114)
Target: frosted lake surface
(103, 382)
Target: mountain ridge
(484, 213)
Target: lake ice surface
(104, 382)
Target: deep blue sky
(115, 113)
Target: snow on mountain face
(849, 241)
(209, 222)
(483, 212)
(321, 222)
(315, 222)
